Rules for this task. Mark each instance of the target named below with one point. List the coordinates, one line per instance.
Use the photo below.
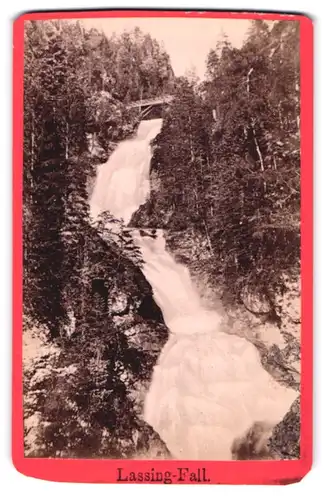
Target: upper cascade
(123, 182)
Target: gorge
(208, 388)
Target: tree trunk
(259, 155)
(275, 164)
(253, 128)
(191, 141)
(258, 150)
(208, 237)
(32, 154)
(67, 141)
(248, 80)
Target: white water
(208, 388)
(122, 184)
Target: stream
(208, 387)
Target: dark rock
(149, 310)
(285, 441)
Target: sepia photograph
(161, 239)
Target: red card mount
(59, 465)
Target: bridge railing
(151, 102)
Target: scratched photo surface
(161, 239)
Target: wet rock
(148, 443)
(142, 217)
(288, 306)
(149, 310)
(151, 337)
(276, 363)
(118, 303)
(39, 358)
(254, 303)
(285, 441)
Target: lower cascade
(208, 388)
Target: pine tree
(227, 158)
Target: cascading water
(208, 388)
(122, 184)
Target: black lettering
(167, 478)
(120, 478)
(182, 473)
(205, 480)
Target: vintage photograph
(161, 239)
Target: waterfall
(122, 184)
(208, 388)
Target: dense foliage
(77, 84)
(228, 159)
(75, 87)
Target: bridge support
(150, 107)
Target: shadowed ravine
(208, 388)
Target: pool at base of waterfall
(207, 391)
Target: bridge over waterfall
(151, 108)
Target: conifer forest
(223, 194)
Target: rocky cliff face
(273, 324)
(83, 393)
